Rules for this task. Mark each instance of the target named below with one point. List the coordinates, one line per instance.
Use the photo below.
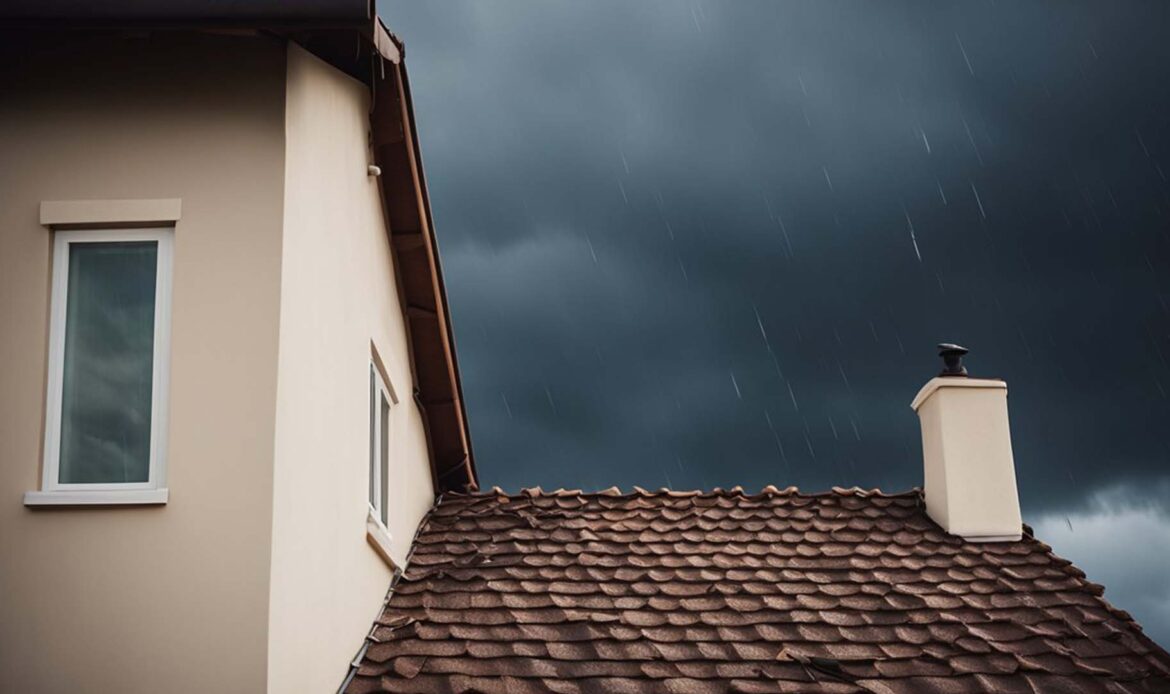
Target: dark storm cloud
(705, 244)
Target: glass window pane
(109, 357)
(373, 451)
(385, 456)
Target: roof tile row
(848, 591)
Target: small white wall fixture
(970, 474)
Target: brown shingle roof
(727, 592)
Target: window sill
(109, 497)
(379, 539)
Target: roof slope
(727, 592)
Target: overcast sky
(711, 243)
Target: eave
(420, 279)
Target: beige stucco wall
(171, 598)
(337, 295)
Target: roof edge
(60, 13)
(737, 491)
(438, 389)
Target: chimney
(970, 476)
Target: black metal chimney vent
(952, 356)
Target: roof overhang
(420, 276)
(348, 35)
(122, 12)
(342, 32)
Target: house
(229, 390)
(235, 457)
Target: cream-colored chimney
(970, 476)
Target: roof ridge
(641, 492)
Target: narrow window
(375, 487)
(384, 458)
(380, 402)
(105, 423)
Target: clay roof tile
(566, 591)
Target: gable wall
(338, 294)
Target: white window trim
(381, 390)
(123, 497)
(379, 538)
(154, 490)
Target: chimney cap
(952, 356)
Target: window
(105, 424)
(382, 398)
(380, 401)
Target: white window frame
(154, 490)
(381, 466)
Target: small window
(380, 401)
(109, 332)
